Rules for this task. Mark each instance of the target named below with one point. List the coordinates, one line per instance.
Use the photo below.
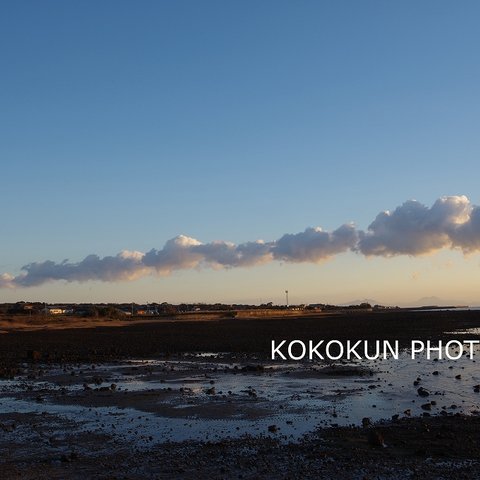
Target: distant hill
(371, 301)
(434, 301)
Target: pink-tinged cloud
(411, 229)
(415, 229)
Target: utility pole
(286, 295)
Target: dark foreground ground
(250, 336)
(431, 447)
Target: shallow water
(467, 331)
(291, 396)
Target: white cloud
(7, 280)
(314, 244)
(176, 254)
(414, 229)
(411, 229)
(466, 236)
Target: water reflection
(211, 397)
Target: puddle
(467, 331)
(211, 398)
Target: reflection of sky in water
(284, 396)
(469, 331)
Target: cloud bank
(411, 229)
(414, 229)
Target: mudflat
(71, 338)
(171, 398)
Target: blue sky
(125, 124)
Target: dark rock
(423, 392)
(34, 355)
(375, 438)
(366, 422)
(97, 380)
(253, 368)
(8, 428)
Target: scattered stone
(34, 355)
(375, 438)
(366, 422)
(251, 392)
(253, 368)
(423, 392)
(8, 428)
(97, 380)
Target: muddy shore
(54, 408)
(415, 449)
(140, 339)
